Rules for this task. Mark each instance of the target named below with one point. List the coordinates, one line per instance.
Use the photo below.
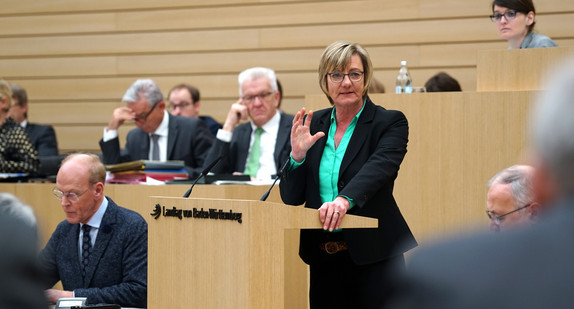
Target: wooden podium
(218, 253)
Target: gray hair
(552, 127)
(10, 206)
(146, 88)
(256, 73)
(519, 177)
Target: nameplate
(210, 213)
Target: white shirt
(94, 223)
(267, 166)
(162, 131)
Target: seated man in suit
(184, 100)
(100, 250)
(510, 200)
(259, 147)
(43, 137)
(159, 135)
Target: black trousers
(337, 282)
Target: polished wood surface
(515, 70)
(208, 263)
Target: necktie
(86, 248)
(253, 163)
(155, 147)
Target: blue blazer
(117, 271)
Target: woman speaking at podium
(344, 160)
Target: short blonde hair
(337, 56)
(6, 92)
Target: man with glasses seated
(100, 250)
(510, 199)
(159, 135)
(259, 147)
(184, 100)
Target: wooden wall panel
(77, 58)
(70, 6)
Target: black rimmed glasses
(337, 77)
(71, 196)
(508, 15)
(498, 219)
(262, 97)
(144, 117)
(181, 105)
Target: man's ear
(535, 211)
(99, 188)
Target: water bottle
(404, 82)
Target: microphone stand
(279, 175)
(203, 173)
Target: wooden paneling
(77, 58)
(524, 69)
(69, 6)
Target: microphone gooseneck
(203, 173)
(279, 175)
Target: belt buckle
(331, 247)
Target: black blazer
(235, 152)
(188, 139)
(367, 174)
(43, 138)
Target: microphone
(203, 173)
(279, 174)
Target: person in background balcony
(514, 20)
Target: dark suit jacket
(529, 267)
(235, 152)
(367, 175)
(211, 124)
(43, 138)
(117, 270)
(188, 139)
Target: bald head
(81, 181)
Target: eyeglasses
(508, 15)
(71, 196)
(337, 77)
(144, 117)
(262, 97)
(498, 219)
(182, 105)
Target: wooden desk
(520, 69)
